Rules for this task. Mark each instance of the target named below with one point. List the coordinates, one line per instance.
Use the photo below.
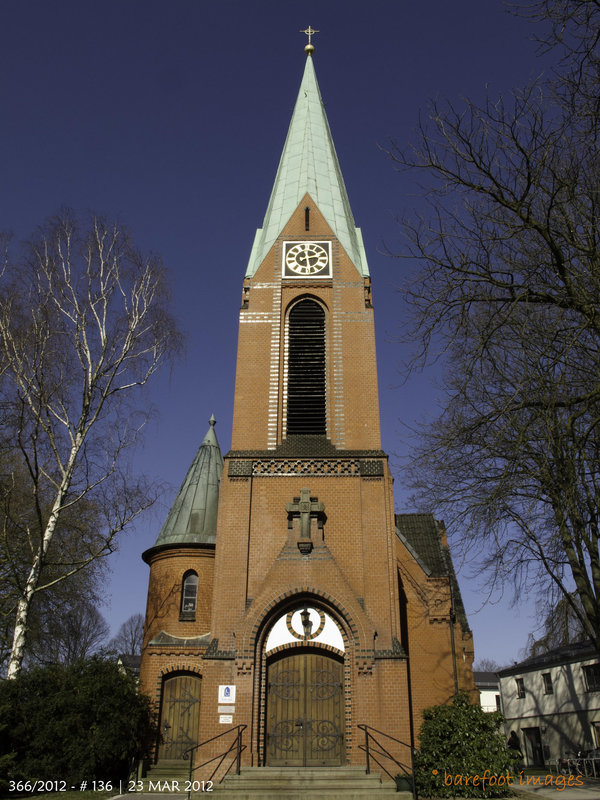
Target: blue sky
(171, 116)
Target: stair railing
(235, 747)
(373, 748)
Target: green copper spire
(193, 516)
(309, 164)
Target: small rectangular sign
(227, 694)
(226, 719)
(226, 709)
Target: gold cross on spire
(310, 46)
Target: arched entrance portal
(305, 719)
(179, 715)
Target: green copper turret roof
(309, 163)
(193, 516)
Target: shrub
(460, 741)
(83, 721)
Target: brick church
(284, 593)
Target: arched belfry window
(189, 595)
(306, 369)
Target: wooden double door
(305, 717)
(179, 715)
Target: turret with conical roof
(193, 516)
(182, 558)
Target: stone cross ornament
(306, 508)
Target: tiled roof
(485, 680)
(309, 163)
(131, 662)
(422, 534)
(565, 654)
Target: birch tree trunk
(83, 326)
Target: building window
(520, 688)
(498, 706)
(306, 370)
(403, 615)
(189, 596)
(547, 678)
(592, 677)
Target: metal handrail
(236, 746)
(380, 750)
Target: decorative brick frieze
(364, 666)
(397, 651)
(239, 469)
(371, 468)
(213, 652)
(327, 467)
(319, 467)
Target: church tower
(315, 608)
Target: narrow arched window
(403, 615)
(189, 595)
(306, 370)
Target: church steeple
(309, 164)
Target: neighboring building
(284, 593)
(552, 701)
(131, 663)
(489, 692)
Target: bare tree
(128, 640)
(64, 632)
(83, 326)
(569, 25)
(487, 665)
(507, 285)
(560, 627)
(75, 531)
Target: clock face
(306, 259)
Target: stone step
(303, 773)
(383, 793)
(268, 772)
(339, 783)
(165, 770)
(283, 783)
